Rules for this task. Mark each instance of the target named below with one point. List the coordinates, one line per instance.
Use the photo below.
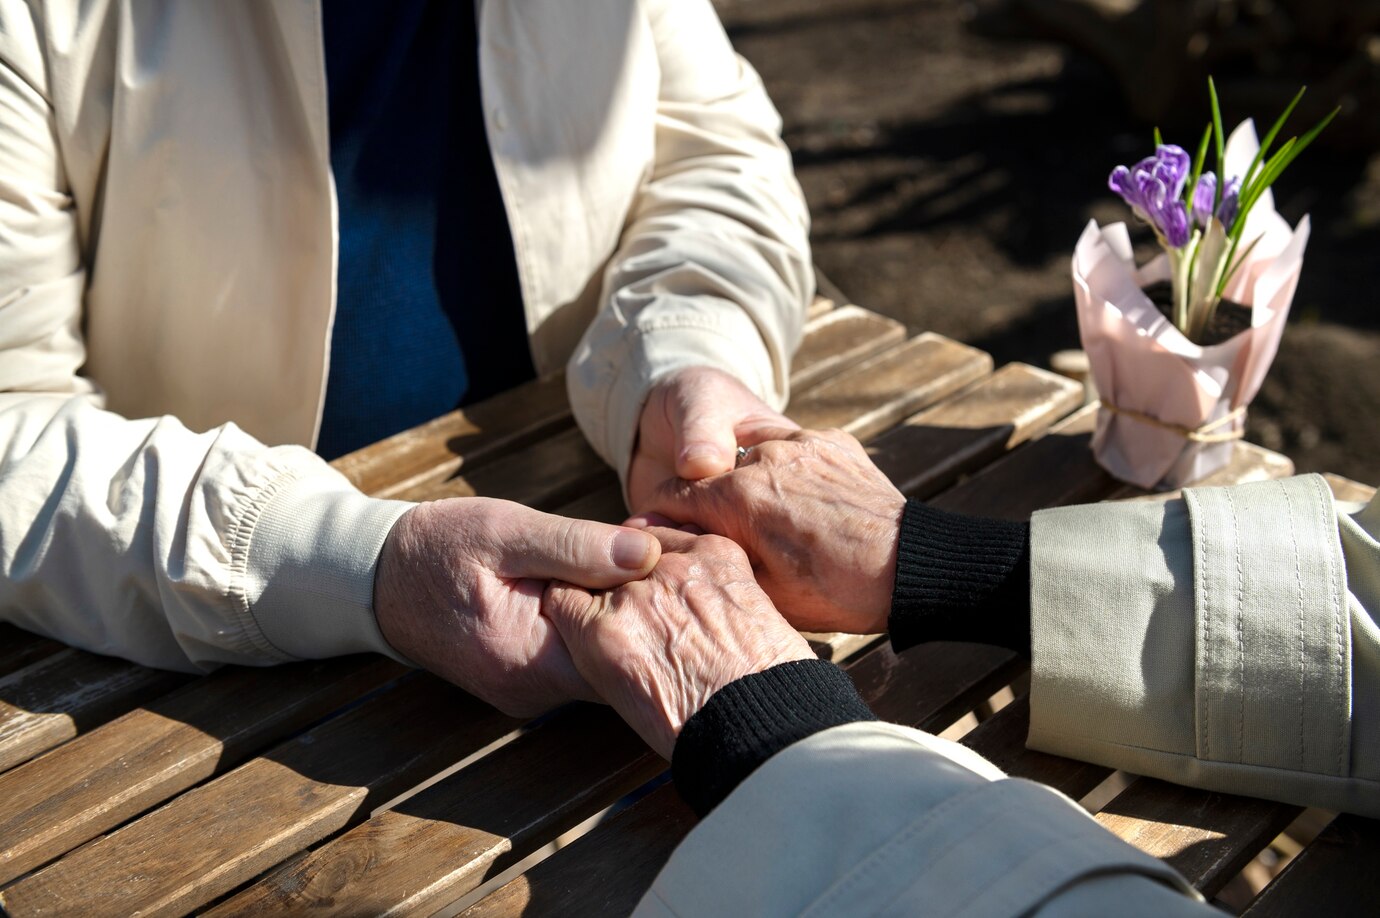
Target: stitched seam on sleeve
(238, 543)
(1298, 585)
(1344, 689)
(1205, 730)
(1240, 637)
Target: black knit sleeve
(751, 719)
(961, 578)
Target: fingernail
(630, 550)
(699, 451)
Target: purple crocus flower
(1204, 196)
(1231, 201)
(1153, 188)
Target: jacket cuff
(751, 719)
(309, 564)
(724, 339)
(1200, 640)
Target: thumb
(543, 546)
(705, 441)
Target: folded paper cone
(1172, 408)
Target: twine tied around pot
(1204, 434)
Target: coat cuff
(607, 397)
(1203, 640)
(308, 566)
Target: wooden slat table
(129, 791)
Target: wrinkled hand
(691, 427)
(459, 587)
(819, 521)
(657, 649)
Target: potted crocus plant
(1179, 346)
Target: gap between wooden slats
(51, 700)
(1005, 408)
(1334, 876)
(19, 648)
(216, 836)
(100, 779)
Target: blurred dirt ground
(951, 161)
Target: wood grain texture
(1334, 876)
(66, 693)
(963, 433)
(468, 437)
(879, 392)
(214, 837)
(1207, 837)
(1001, 740)
(442, 843)
(107, 776)
(602, 873)
(819, 306)
(19, 648)
(839, 339)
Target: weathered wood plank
(1055, 470)
(58, 696)
(605, 872)
(881, 391)
(467, 437)
(837, 340)
(818, 307)
(442, 843)
(1001, 740)
(216, 836)
(1207, 837)
(971, 429)
(105, 777)
(19, 648)
(1334, 876)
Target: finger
(543, 546)
(705, 443)
(644, 520)
(755, 435)
(673, 539)
(692, 529)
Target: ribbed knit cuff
(751, 719)
(961, 578)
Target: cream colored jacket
(167, 268)
(1225, 640)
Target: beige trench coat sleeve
(877, 819)
(1225, 640)
(713, 268)
(141, 538)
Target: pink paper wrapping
(1141, 362)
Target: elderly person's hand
(657, 649)
(692, 424)
(818, 520)
(459, 588)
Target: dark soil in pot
(1230, 319)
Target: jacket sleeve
(873, 818)
(141, 538)
(714, 267)
(1225, 640)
